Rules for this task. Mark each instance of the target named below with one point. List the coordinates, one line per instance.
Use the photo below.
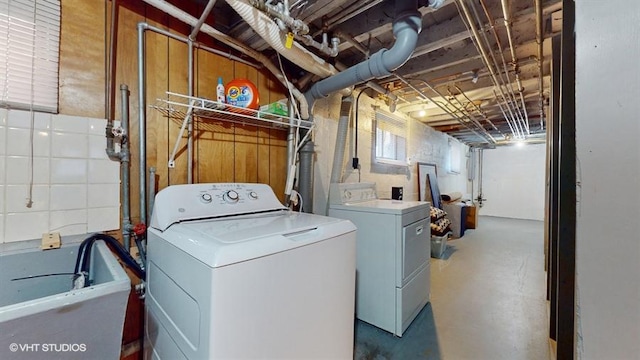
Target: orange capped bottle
(242, 93)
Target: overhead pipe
(514, 130)
(504, 61)
(296, 26)
(233, 43)
(355, 43)
(507, 84)
(473, 119)
(354, 9)
(201, 20)
(514, 58)
(479, 110)
(443, 108)
(324, 47)
(262, 24)
(406, 27)
(485, 57)
(540, 40)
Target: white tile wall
(26, 226)
(104, 172)
(75, 186)
(19, 171)
(19, 140)
(101, 219)
(3, 141)
(104, 195)
(68, 222)
(22, 119)
(69, 145)
(17, 197)
(71, 124)
(68, 171)
(68, 197)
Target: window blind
(29, 52)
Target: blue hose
(83, 261)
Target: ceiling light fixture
(474, 79)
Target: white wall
(425, 145)
(76, 188)
(608, 214)
(513, 182)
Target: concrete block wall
(424, 145)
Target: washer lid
(397, 207)
(224, 241)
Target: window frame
(397, 128)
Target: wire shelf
(177, 106)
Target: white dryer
(393, 254)
(231, 273)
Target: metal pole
(142, 123)
(125, 157)
(190, 120)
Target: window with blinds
(29, 48)
(390, 139)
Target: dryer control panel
(204, 201)
(345, 193)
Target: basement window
(390, 139)
(29, 39)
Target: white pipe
(233, 43)
(514, 58)
(142, 127)
(203, 17)
(485, 58)
(262, 24)
(190, 119)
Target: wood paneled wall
(222, 152)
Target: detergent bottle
(242, 93)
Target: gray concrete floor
(487, 300)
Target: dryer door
(416, 247)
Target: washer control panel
(200, 201)
(343, 193)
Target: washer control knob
(231, 196)
(253, 195)
(206, 198)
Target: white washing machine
(393, 254)
(233, 274)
